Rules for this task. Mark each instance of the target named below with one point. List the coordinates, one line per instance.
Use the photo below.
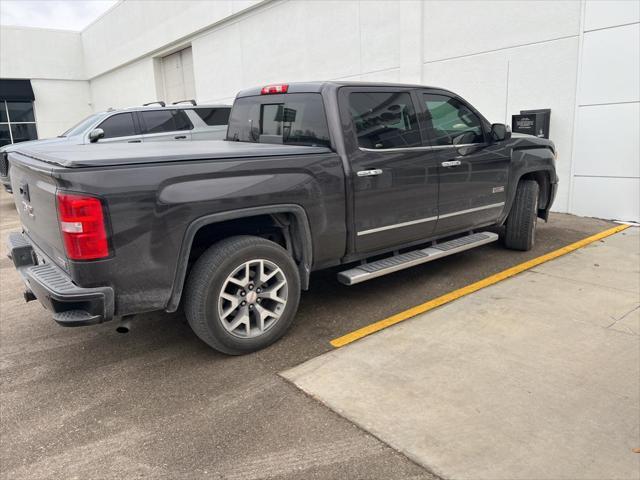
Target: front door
(473, 172)
(394, 178)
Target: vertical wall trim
(158, 76)
(506, 99)
(422, 42)
(359, 40)
(576, 108)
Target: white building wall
(59, 105)
(134, 29)
(40, 53)
(606, 154)
(53, 60)
(503, 56)
(358, 41)
(133, 84)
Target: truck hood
(110, 154)
(520, 140)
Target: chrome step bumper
(401, 261)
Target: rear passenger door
(121, 127)
(472, 171)
(163, 125)
(394, 177)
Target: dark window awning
(12, 90)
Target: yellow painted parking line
(474, 287)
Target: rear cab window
(288, 119)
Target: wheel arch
(544, 176)
(290, 218)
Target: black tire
(206, 281)
(520, 231)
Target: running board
(367, 271)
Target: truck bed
(111, 154)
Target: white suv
(159, 123)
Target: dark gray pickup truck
(376, 177)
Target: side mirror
(96, 135)
(500, 132)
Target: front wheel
(242, 294)
(520, 232)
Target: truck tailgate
(34, 193)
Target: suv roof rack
(191, 101)
(159, 102)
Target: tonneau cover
(106, 154)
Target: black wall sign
(532, 122)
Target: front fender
(531, 162)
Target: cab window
(119, 125)
(289, 119)
(384, 119)
(450, 122)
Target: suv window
(81, 126)
(384, 119)
(119, 125)
(213, 116)
(450, 122)
(161, 121)
(293, 119)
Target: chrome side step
(367, 271)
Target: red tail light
(82, 226)
(269, 89)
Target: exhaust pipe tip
(124, 326)
(29, 296)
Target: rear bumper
(72, 306)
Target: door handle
(451, 163)
(370, 173)
(180, 137)
(134, 141)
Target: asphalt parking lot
(92, 403)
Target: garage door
(177, 75)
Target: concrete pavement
(537, 377)
(158, 403)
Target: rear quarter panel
(151, 206)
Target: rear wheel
(242, 294)
(521, 223)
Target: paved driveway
(91, 403)
(537, 377)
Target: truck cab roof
(319, 86)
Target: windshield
(80, 127)
(290, 119)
